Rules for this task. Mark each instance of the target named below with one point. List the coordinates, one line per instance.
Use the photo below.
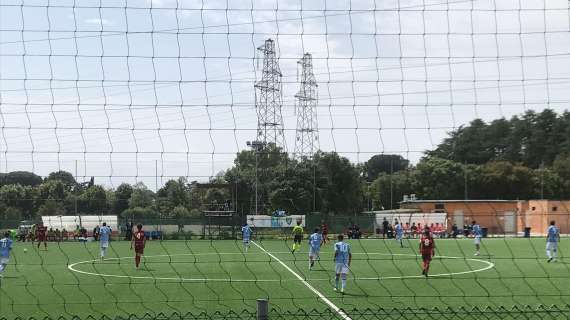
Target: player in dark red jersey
(138, 242)
(41, 235)
(325, 232)
(427, 249)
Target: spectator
(129, 231)
(390, 232)
(414, 230)
(454, 230)
(407, 229)
(385, 224)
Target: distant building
(499, 216)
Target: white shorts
(477, 240)
(104, 244)
(4, 260)
(552, 246)
(314, 252)
(341, 268)
(399, 236)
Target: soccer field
(208, 276)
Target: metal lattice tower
(268, 100)
(307, 136)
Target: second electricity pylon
(307, 135)
(268, 99)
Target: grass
(194, 275)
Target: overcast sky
(115, 87)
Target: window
(439, 206)
(554, 208)
(533, 208)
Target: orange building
(509, 217)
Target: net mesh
(192, 117)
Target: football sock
(343, 281)
(336, 281)
(548, 254)
(137, 261)
(2, 267)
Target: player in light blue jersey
(478, 234)
(399, 233)
(246, 232)
(552, 239)
(5, 248)
(342, 259)
(315, 242)
(104, 237)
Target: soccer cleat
(477, 254)
(549, 260)
(342, 290)
(335, 289)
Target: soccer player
(399, 234)
(297, 236)
(342, 259)
(427, 249)
(139, 242)
(478, 234)
(246, 235)
(325, 232)
(315, 242)
(552, 238)
(104, 237)
(5, 248)
(41, 235)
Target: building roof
(456, 201)
(393, 211)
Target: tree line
(526, 157)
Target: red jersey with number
(41, 232)
(138, 238)
(427, 244)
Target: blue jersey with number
(104, 234)
(5, 247)
(342, 252)
(315, 240)
(552, 234)
(477, 230)
(246, 232)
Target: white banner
(262, 221)
(69, 223)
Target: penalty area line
(336, 309)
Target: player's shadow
(354, 294)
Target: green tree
(388, 189)
(65, 177)
(384, 163)
(94, 200)
(23, 178)
(141, 197)
(437, 178)
(122, 196)
(51, 208)
(338, 182)
(174, 193)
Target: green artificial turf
(208, 276)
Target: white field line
(72, 267)
(315, 291)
